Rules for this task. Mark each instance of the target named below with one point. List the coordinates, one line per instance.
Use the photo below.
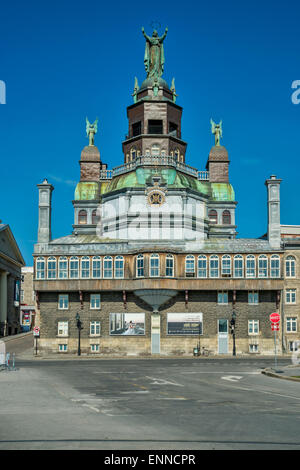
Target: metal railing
(150, 160)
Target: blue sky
(63, 61)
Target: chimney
(273, 190)
(44, 229)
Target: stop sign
(275, 317)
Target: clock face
(156, 198)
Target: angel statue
(154, 58)
(217, 130)
(91, 130)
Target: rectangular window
(238, 266)
(226, 266)
(136, 129)
(291, 324)
(62, 328)
(253, 327)
(95, 301)
(294, 346)
(63, 347)
(94, 348)
(290, 296)
(155, 126)
(214, 266)
(253, 298)
(253, 348)
(119, 267)
(250, 266)
(74, 268)
(223, 297)
(95, 328)
(63, 301)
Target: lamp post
(232, 325)
(79, 329)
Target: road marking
(232, 378)
(263, 391)
(136, 391)
(163, 382)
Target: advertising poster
(127, 324)
(184, 323)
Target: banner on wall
(127, 324)
(184, 323)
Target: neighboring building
(27, 296)
(153, 265)
(11, 262)
(290, 235)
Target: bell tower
(154, 118)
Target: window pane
(119, 267)
(202, 266)
(107, 267)
(85, 267)
(96, 267)
(214, 266)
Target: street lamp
(232, 325)
(79, 329)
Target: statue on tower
(154, 58)
(216, 129)
(91, 130)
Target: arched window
(96, 267)
(51, 265)
(132, 154)
(275, 266)
(154, 265)
(170, 266)
(214, 266)
(140, 266)
(238, 266)
(226, 218)
(290, 266)
(213, 217)
(108, 267)
(177, 155)
(163, 153)
(74, 267)
(250, 266)
(63, 267)
(119, 266)
(40, 268)
(226, 265)
(202, 266)
(147, 153)
(82, 217)
(85, 267)
(95, 217)
(155, 150)
(262, 266)
(190, 266)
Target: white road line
(260, 391)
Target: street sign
(36, 331)
(275, 326)
(275, 317)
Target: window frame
(107, 259)
(224, 268)
(96, 259)
(64, 328)
(253, 294)
(119, 270)
(238, 258)
(253, 259)
(154, 257)
(276, 269)
(221, 295)
(172, 267)
(291, 321)
(51, 259)
(291, 261)
(63, 307)
(290, 293)
(203, 259)
(63, 259)
(264, 269)
(82, 213)
(85, 259)
(95, 325)
(141, 268)
(40, 260)
(255, 327)
(73, 259)
(94, 297)
(214, 258)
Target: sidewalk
(5, 339)
(291, 372)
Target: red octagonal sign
(275, 317)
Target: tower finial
(216, 129)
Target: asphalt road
(148, 404)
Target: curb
(5, 339)
(270, 373)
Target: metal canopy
(155, 297)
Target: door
(223, 336)
(155, 333)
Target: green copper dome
(222, 192)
